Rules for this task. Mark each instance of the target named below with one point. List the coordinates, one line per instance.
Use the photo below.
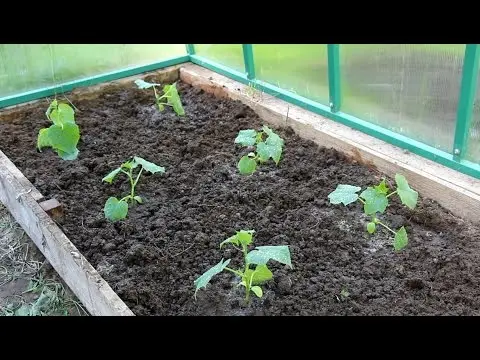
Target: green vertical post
(335, 93)
(190, 49)
(248, 60)
(468, 89)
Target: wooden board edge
(79, 275)
(22, 179)
(456, 192)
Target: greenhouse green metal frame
(455, 160)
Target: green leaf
(273, 146)
(138, 199)
(382, 187)
(144, 85)
(246, 137)
(345, 194)
(266, 151)
(148, 166)
(161, 107)
(407, 195)
(174, 99)
(23, 310)
(204, 279)
(109, 178)
(62, 114)
(246, 165)
(401, 239)
(43, 303)
(257, 290)
(129, 165)
(115, 209)
(68, 156)
(261, 274)
(273, 138)
(64, 138)
(262, 254)
(53, 105)
(374, 201)
(231, 240)
(43, 140)
(245, 236)
(267, 130)
(371, 226)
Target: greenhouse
(239, 179)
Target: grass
(50, 298)
(28, 286)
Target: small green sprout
(252, 92)
(63, 135)
(259, 257)
(344, 294)
(272, 147)
(375, 200)
(170, 96)
(116, 209)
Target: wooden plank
(455, 191)
(26, 184)
(85, 282)
(53, 208)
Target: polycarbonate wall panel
(230, 55)
(300, 68)
(473, 152)
(31, 67)
(410, 89)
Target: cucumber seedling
(63, 135)
(272, 148)
(170, 96)
(250, 278)
(375, 200)
(116, 209)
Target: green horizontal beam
(468, 89)
(379, 132)
(219, 68)
(89, 81)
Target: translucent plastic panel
(473, 153)
(30, 67)
(409, 89)
(299, 68)
(230, 55)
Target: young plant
(272, 147)
(63, 135)
(250, 278)
(375, 200)
(116, 209)
(170, 96)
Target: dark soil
(152, 258)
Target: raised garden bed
(152, 258)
